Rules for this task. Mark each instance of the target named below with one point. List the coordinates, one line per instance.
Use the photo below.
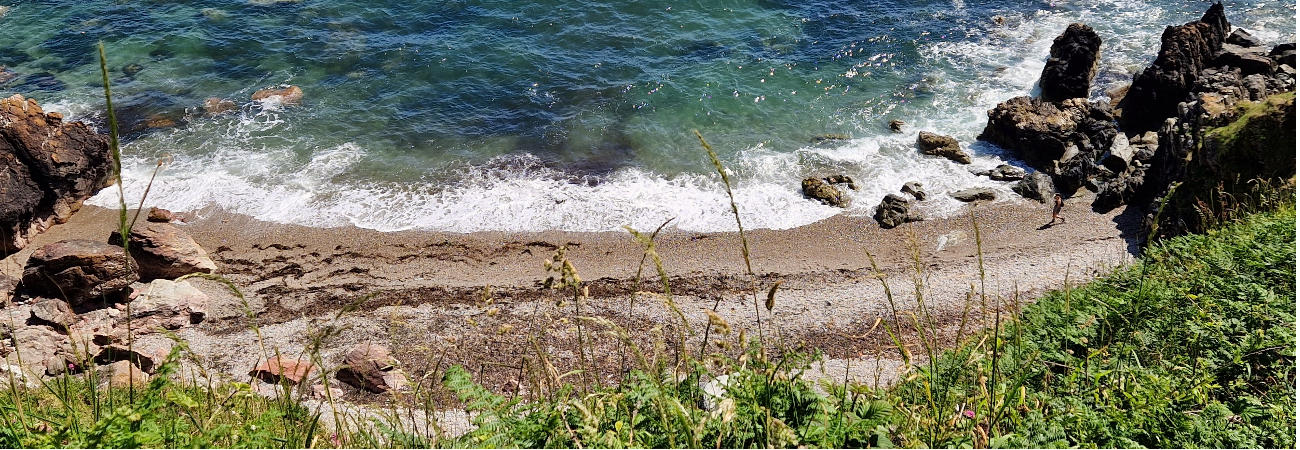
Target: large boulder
(939, 145)
(43, 350)
(1006, 172)
(1241, 38)
(167, 304)
(1251, 60)
(1184, 51)
(1072, 65)
(894, 210)
(48, 168)
(1063, 139)
(54, 313)
(369, 366)
(80, 271)
(164, 250)
(1035, 186)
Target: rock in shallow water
(894, 210)
(819, 189)
(939, 145)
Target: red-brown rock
(278, 368)
(79, 271)
(47, 169)
(164, 250)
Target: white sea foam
(241, 171)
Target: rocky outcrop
(48, 168)
(369, 366)
(1184, 51)
(1072, 65)
(824, 190)
(940, 145)
(894, 210)
(164, 250)
(973, 194)
(1035, 186)
(1062, 139)
(79, 271)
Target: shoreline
(422, 293)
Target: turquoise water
(576, 115)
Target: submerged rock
(896, 126)
(287, 95)
(1072, 65)
(48, 168)
(939, 145)
(216, 105)
(828, 138)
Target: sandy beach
(477, 299)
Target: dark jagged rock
(79, 271)
(914, 189)
(842, 179)
(894, 210)
(939, 145)
(1284, 54)
(1063, 139)
(1035, 186)
(48, 168)
(1250, 60)
(1072, 65)
(823, 139)
(1242, 38)
(973, 194)
(1184, 51)
(896, 126)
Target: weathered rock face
(1072, 65)
(43, 350)
(894, 210)
(1251, 60)
(79, 271)
(148, 352)
(821, 189)
(1062, 139)
(1035, 186)
(369, 366)
(1184, 51)
(47, 169)
(940, 145)
(53, 313)
(973, 194)
(163, 250)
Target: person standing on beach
(1057, 204)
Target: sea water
(524, 115)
